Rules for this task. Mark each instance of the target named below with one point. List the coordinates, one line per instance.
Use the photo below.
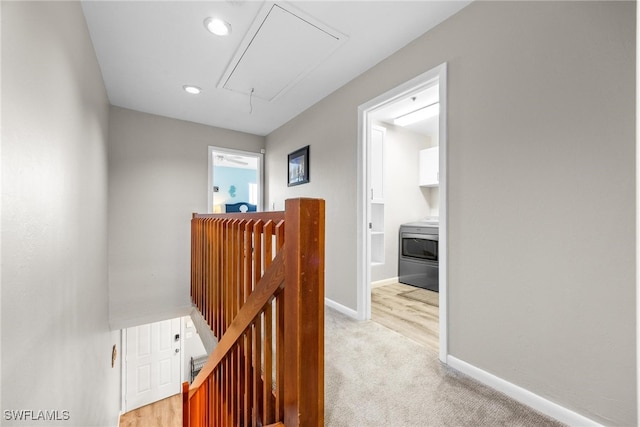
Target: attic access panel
(281, 48)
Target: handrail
(257, 292)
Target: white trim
(443, 229)
(182, 361)
(384, 282)
(637, 217)
(123, 372)
(210, 179)
(363, 272)
(522, 395)
(341, 308)
(260, 173)
(363, 252)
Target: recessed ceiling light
(217, 26)
(194, 90)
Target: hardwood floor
(165, 413)
(410, 311)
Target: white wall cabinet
(429, 167)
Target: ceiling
(280, 58)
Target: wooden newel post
(185, 404)
(304, 301)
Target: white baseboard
(341, 308)
(384, 282)
(522, 395)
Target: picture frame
(298, 167)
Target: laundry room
(405, 202)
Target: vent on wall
(279, 50)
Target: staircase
(258, 280)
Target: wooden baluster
(248, 255)
(239, 286)
(219, 278)
(224, 261)
(185, 404)
(232, 312)
(267, 381)
(269, 228)
(213, 277)
(237, 303)
(197, 413)
(205, 268)
(194, 261)
(194, 296)
(214, 399)
(233, 271)
(216, 396)
(205, 404)
(228, 405)
(279, 350)
(211, 274)
(246, 378)
(228, 277)
(200, 252)
(193, 255)
(257, 347)
(221, 284)
(223, 400)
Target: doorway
(235, 180)
(369, 210)
(157, 360)
(153, 362)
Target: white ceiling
(147, 50)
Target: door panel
(153, 363)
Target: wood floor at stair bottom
(164, 413)
(410, 311)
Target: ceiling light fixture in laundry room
(217, 26)
(418, 115)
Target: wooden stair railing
(258, 280)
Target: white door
(152, 363)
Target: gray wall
(157, 179)
(56, 341)
(541, 192)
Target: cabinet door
(377, 163)
(429, 167)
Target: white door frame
(363, 277)
(232, 151)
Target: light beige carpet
(376, 377)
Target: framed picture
(298, 167)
